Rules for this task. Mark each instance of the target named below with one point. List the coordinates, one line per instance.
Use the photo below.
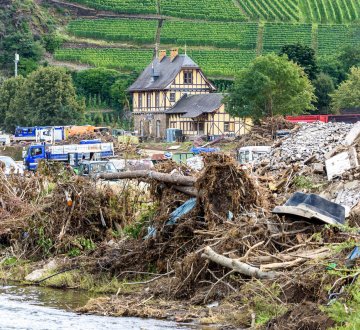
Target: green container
(181, 157)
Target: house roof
(192, 106)
(164, 72)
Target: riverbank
(44, 308)
(256, 301)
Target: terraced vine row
(226, 35)
(331, 38)
(115, 58)
(330, 11)
(213, 62)
(282, 10)
(219, 10)
(278, 34)
(319, 11)
(222, 62)
(224, 47)
(122, 6)
(136, 30)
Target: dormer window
(188, 77)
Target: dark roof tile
(165, 72)
(192, 106)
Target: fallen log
(236, 265)
(175, 179)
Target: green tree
(324, 86)
(271, 85)
(349, 56)
(51, 98)
(304, 56)
(338, 65)
(27, 65)
(348, 93)
(331, 66)
(52, 42)
(12, 103)
(96, 82)
(98, 119)
(119, 95)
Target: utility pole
(17, 59)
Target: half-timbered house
(173, 92)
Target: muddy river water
(36, 308)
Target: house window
(140, 101)
(229, 126)
(173, 124)
(157, 99)
(172, 97)
(148, 101)
(164, 101)
(198, 127)
(188, 77)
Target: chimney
(162, 54)
(173, 53)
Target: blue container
(172, 134)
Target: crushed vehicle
(94, 168)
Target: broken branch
(236, 265)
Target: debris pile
(207, 249)
(55, 210)
(310, 140)
(204, 235)
(225, 189)
(265, 132)
(75, 139)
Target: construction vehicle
(85, 150)
(40, 133)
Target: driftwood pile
(229, 231)
(264, 133)
(50, 212)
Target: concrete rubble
(341, 163)
(315, 139)
(322, 149)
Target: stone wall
(154, 125)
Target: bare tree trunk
(175, 179)
(236, 265)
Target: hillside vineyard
(223, 36)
